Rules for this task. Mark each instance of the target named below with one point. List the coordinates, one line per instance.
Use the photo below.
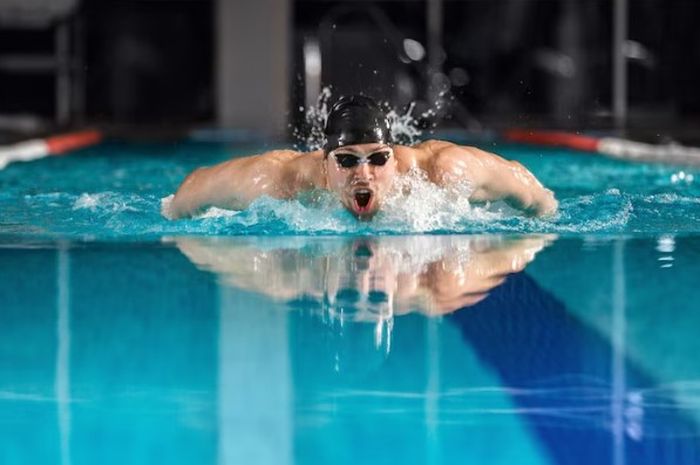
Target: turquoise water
(255, 338)
(284, 353)
(114, 191)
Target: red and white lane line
(614, 147)
(35, 149)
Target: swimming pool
(114, 191)
(289, 333)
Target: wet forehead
(361, 149)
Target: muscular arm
(236, 183)
(494, 178)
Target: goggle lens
(348, 160)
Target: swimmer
(359, 163)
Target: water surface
(436, 349)
(114, 192)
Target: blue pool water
(114, 191)
(289, 333)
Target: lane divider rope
(614, 147)
(36, 149)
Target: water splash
(310, 136)
(404, 125)
(419, 205)
(89, 201)
(414, 205)
(95, 196)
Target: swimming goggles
(349, 160)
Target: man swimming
(359, 163)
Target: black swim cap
(356, 120)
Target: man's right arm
(233, 184)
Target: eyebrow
(352, 151)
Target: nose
(363, 170)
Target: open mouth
(363, 198)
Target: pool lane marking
(36, 149)
(614, 147)
(554, 138)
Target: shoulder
(275, 161)
(303, 170)
(444, 161)
(278, 157)
(302, 160)
(444, 154)
(439, 151)
(271, 168)
(435, 146)
(422, 155)
(445, 149)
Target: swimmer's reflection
(561, 373)
(368, 279)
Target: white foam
(215, 212)
(165, 206)
(324, 214)
(87, 201)
(211, 212)
(419, 205)
(414, 205)
(404, 127)
(107, 202)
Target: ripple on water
(415, 206)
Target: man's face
(361, 175)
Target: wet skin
(360, 187)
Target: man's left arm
(496, 178)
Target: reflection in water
(368, 279)
(134, 346)
(575, 389)
(666, 245)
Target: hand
(548, 204)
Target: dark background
(545, 63)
